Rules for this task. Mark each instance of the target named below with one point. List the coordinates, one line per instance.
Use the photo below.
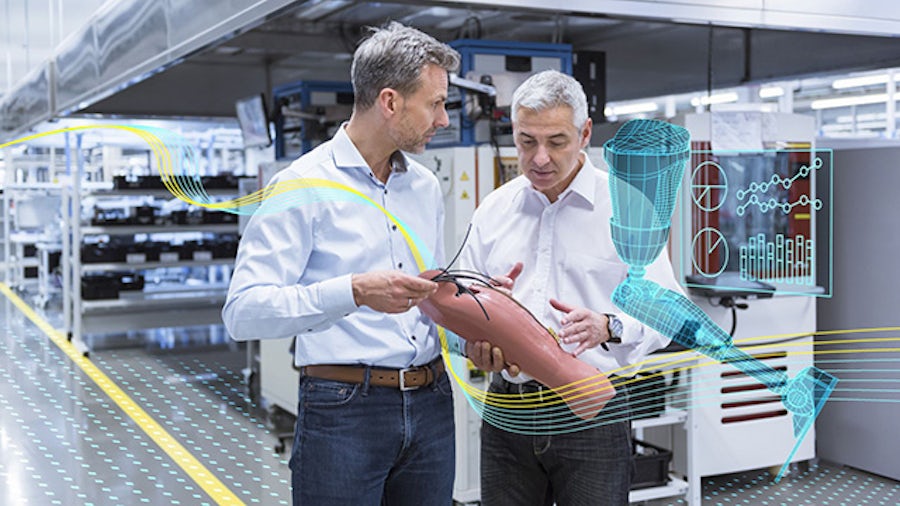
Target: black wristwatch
(615, 328)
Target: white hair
(550, 89)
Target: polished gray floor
(64, 441)
(818, 484)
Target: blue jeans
(592, 466)
(362, 445)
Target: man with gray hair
(375, 413)
(548, 231)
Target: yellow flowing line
(534, 400)
(220, 493)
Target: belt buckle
(402, 372)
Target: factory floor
(166, 417)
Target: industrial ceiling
(315, 41)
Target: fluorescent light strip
(636, 108)
(771, 92)
(855, 82)
(872, 116)
(830, 103)
(865, 125)
(721, 98)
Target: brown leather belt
(409, 378)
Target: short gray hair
(393, 57)
(550, 89)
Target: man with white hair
(548, 232)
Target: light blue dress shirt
(292, 275)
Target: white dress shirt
(568, 255)
(292, 276)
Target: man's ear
(586, 133)
(388, 101)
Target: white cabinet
(733, 422)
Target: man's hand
(505, 283)
(582, 326)
(390, 291)
(488, 358)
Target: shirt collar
(346, 155)
(582, 187)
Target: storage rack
(183, 305)
(31, 236)
(676, 485)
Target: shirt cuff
(336, 295)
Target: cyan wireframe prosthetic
(646, 160)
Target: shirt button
(393, 227)
(400, 265)
(385, 191)
(413, 338)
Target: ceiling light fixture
(719, 98)
(855, 82)
(831, 103)
(771, 92)
(636, 108)
(875, 116)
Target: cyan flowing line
(868, 380)
(524, 423)
(857, 360)
(687, 396)
(873, 390)
(861, 399)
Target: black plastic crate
(123, 183)
(651, 465)
(102, 252)
(101, 286)
(128, 281)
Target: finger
(418, 287)
(561, 306)
(515, 271)
(575, 336)
(584, 334)
(580, 316)
(571, 328)
(581, 348)
(497, 359)
(485, 354)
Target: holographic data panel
(760, 216)
(646, 160)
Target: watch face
(615, 326)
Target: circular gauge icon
(709, 252)
(709, 185)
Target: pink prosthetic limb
(505, 323)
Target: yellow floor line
(197, 471)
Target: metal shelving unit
(168, 305)
(27, 225)
(676, 486)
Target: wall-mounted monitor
(254, 121)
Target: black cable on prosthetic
(448, 276)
